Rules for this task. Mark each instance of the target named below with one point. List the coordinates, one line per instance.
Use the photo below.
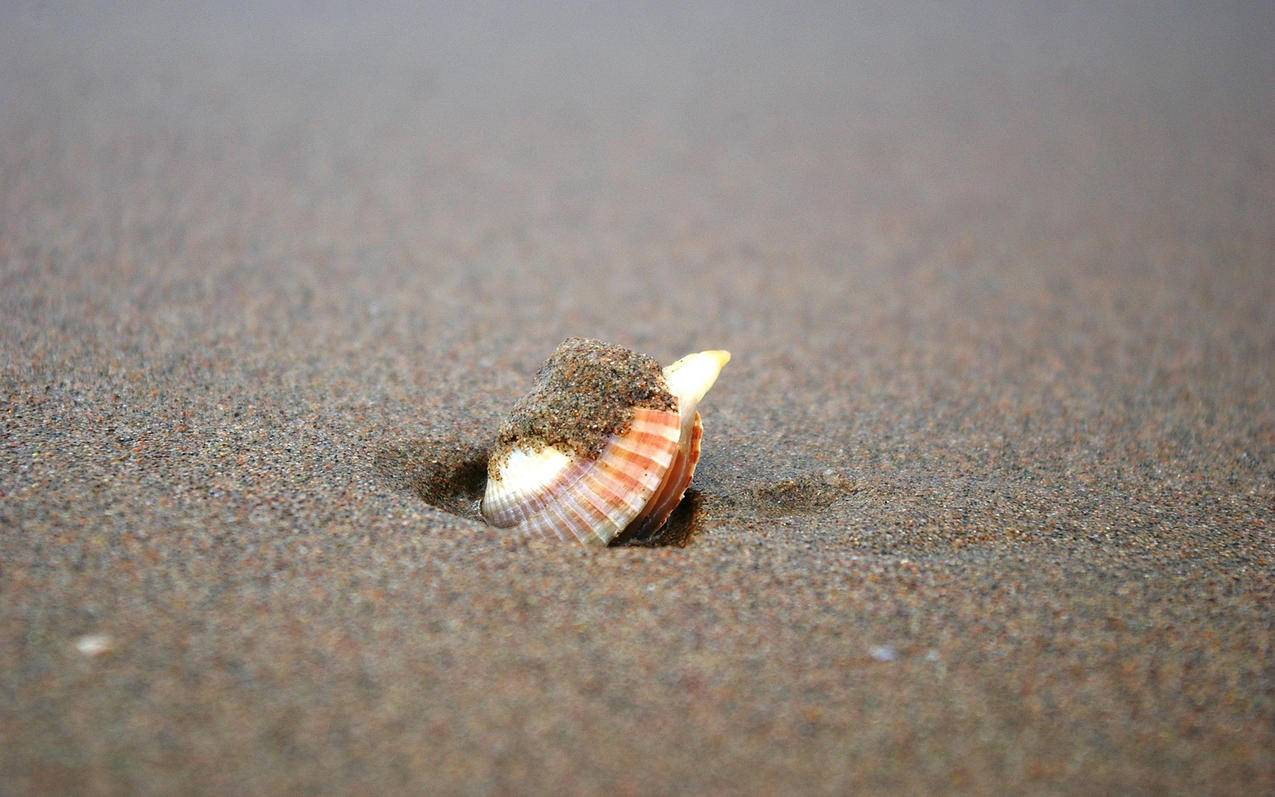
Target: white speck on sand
(884, 653)
(93, 645)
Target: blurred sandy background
(986, 501)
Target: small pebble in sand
(94, 645)
(884, 653)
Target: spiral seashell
(606, 442)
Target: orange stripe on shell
(591, 501)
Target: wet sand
(987, 493)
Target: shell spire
(691, 377)
(605, 444)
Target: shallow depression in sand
(449, 473)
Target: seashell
(606, 442)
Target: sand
(987, 491)
(583, 396)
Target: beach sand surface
(987, 490)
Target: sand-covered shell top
(606, 441)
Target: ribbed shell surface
(592, 501)
(673, 487)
